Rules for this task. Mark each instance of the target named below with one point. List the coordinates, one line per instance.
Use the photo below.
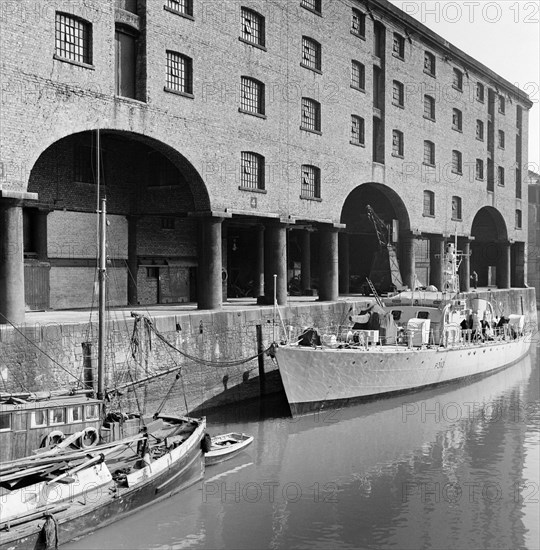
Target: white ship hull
(316, 378)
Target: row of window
(55, 416)
(429, 208)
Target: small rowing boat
(226, 446)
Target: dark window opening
(126, 49)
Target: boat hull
(103, 505)
(217, 455)
(324, 377)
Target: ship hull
(316, 378)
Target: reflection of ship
(416, 339)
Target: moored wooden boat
(227, 446)
(61, 497)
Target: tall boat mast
(101, 280)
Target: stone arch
(490, 248)
(356, 257)
(153, 192)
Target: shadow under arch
(362, 239)
(489, 248)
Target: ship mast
(102, 212)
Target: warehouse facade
(241, 140)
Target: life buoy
(89, 438)
(53, 438)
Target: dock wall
(46, 356)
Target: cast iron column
(259, 283)
(210, 265)
(408, 267)
(344, 273)
(437, 260)
(12, 304)
(328, 268)
(503, 269)
(305, 274)
(275, 262)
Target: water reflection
(451, 467)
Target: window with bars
(357, 130)
(519, 219)
(311, 115)
(479, 169)
(501, 139)
(398, 46)
(311, 182)
(500, 176)
(398, 94)
(73, 39)
(252, 96)
(183, 7)
(253, 27)
(179, 73)
(502, 105)
(358, 75)
(313, 5)
(457, 120)
(429, 203)
(358, 23)
(457, 164)
(311, 54)
(397, 143)
(429, 107)
(429, 153)
(480, 92)
(456, 208)
(480, 130)
(457, 80)
(252, 171)
(429, 63)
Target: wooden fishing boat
(226, 446)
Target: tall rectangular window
(502, 105)
(519, 221)
(184, 7)
(456, 208)
(501, 139)
(457, 165)
(311, 54)
(480, 130)
(313, 5)
(429, 203)
(311, 182)
(253, 27)
(357, 130)
(358, 23)
(252, 171)
(518, 183)
(126, 63)
(398, 93)
(479, 169)
(457, 80)
(429, 63)
(398, 46)
(179, 73)
(311, 115)
(429, 153)
(500, 176)
(429, 107)
(519, 117)
(73, 40)
(379, 37)
(358, 75)
(457, 120)
(251, 96)
(480, 92)
(397, 143)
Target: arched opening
(363, 243)
(490, 248)
(151, 190)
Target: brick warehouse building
(239, 140)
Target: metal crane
(385, 273)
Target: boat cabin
(28, 425)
